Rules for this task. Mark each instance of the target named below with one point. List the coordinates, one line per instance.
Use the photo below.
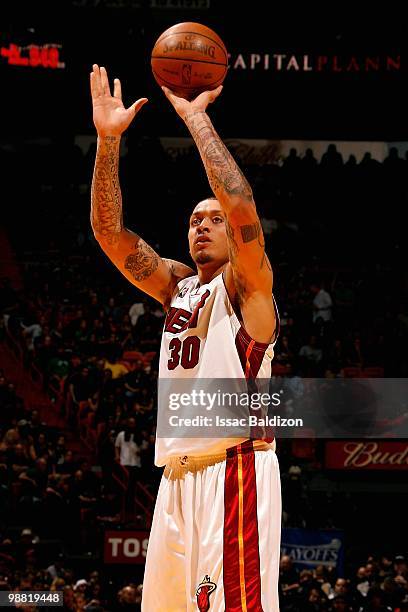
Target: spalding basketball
(189, 58)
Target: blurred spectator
(118, 369)
(400, 565)
(135, 311)
(322, 304)
(128, 455)
(341, 587)
(129, 598)
(331, 159)
(311, 356)
(288, 580)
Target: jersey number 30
(187, 353)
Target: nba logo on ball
(189, 58)
(186, 74)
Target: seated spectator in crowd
(316, 601)
(146, 330)
(118, 369)
(18, 460)
(375, 601)
(341, 587)
(340, 603)
(306, 583)
(355, 354)
(321, 576)
(336, 356)
(130, 598)
(36, 425)
(80, 389)
(128, 455)
(361, 582)
(400, 565)
(284, 354)
(66, 464)
(288, 580)
(322, 304)
(311, 356)
(135, 380)
(143, 406)
(135, 311)
(37, 475)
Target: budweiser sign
(366, 455)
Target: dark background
(272, 104)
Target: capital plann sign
(353, 455)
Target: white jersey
(204, 339)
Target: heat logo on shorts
(203, 593)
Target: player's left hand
(185, 107)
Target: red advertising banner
(366, 455)
(125, 546)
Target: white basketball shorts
(215, 538)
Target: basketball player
(215, 537)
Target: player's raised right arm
(141, 265)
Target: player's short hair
(211, 197)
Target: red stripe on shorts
(241, 538)
(232, 588)
(251, 535)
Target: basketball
(189, 58)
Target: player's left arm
(248, 275)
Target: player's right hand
(110, 116)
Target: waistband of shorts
(177, 467)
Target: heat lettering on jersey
(176, 319)
(179, 319)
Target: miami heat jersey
(204, 339)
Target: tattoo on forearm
(222, 170)
(106, 198)
(143, 262)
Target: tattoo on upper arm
(222, 170)
(106, 210)
(250, 232)
(253, 232)
(143, 262)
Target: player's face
(206, 235)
